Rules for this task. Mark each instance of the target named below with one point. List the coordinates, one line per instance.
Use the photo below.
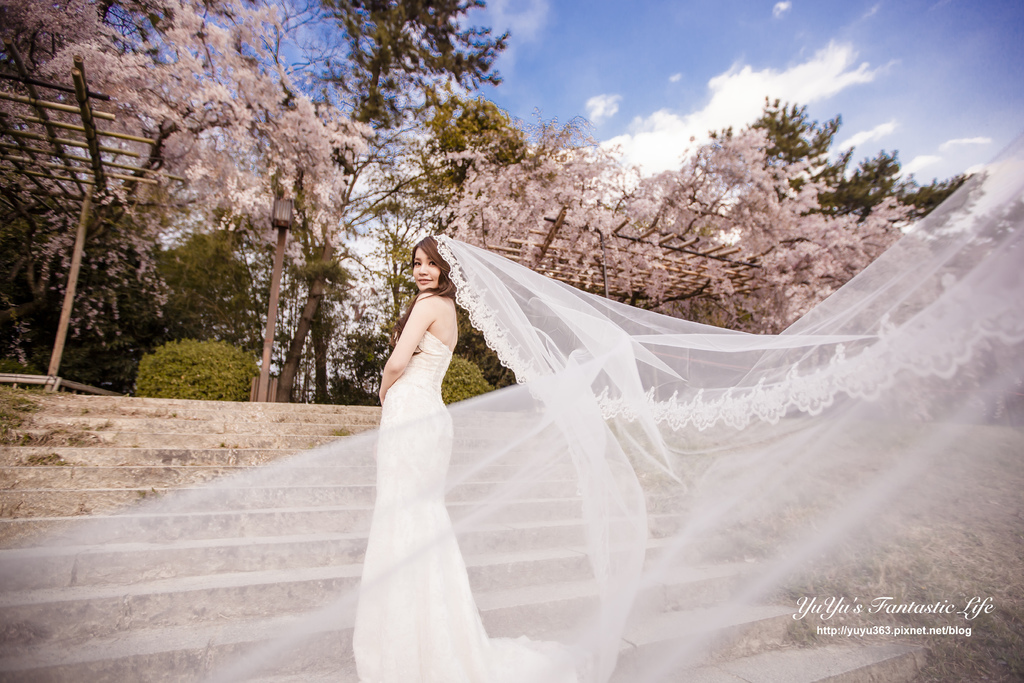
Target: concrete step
(892, 663)
(127, 476)
(168, 476)
(221, 425)
(831, 664)
(219, 450)
(271, 440)
(108, 456)
(83, 612)
(159, 528)
(257, 486)
(71, 404)
(219, 422)
(191, 441)
(64, 502)
(168, 655)
(113, 407)
(673, 641)
(175, 652)
(135, 562)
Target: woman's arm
(424, 313)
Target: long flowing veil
(652, 487)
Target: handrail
(54, 383)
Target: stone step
(178, 476)
(14, 456)
(673, 641)
(69, 479)
(72, 404)
(127, 476)
(113, 407)
(193, 441)
(185, 653)
(64, 409)
(67, 502)
(831, 664)
(892, 663)
(349, 451)
(221, 425)
(214, 422)
(54, 567)
(159, 528)
(463, 446)
(47, 567)
(97, 611)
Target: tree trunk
(20, 310)
(321, 332)
(291, 362)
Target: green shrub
(210, 370)
(464, 380)
(13, 367)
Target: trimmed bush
(209, 370)
(464, 380)
(13, 367)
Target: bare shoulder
(434, 302)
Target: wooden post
(604, 262)
(552, 232)
(69, 292)
(262, 393)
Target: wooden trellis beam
(683, 265)
(82, 93)
(50, 130)
(29, 166)
(111, 164)
(70, 143)
(81, 129)
(53, 105)
(551, 233)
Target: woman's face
(426, 273)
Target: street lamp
(281, 217)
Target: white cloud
(524, 19)
(674, 78)
(601, 107)
(879, 131)
(919, 162)
(658, 142)
(872, 12)
(781, 8)
(964, 141)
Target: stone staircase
(165, 592)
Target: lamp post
(282, 220)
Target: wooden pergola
(52, 160)
(682, 260)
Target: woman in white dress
(417, 621)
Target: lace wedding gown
(417, 621)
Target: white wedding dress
(417, 621)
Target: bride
(417, 620)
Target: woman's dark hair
(445, 286)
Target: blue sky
(941, 81)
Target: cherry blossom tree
(211, 82)
(728, 192)
(203, 81)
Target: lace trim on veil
(483, 318)
(864, 376)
